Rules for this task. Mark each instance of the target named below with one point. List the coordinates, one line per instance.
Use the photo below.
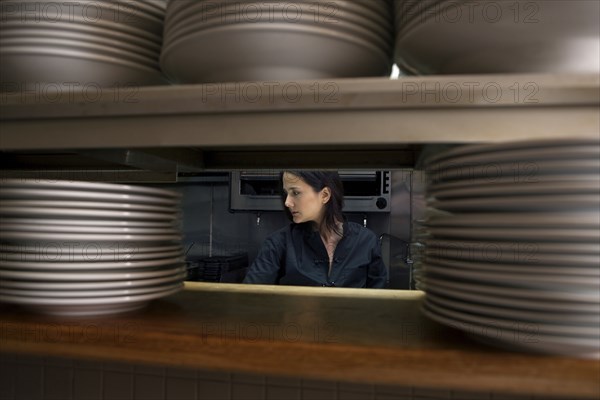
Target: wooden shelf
(355, 335)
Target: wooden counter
(355, 335)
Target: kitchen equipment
(218, 268)
(364, 191)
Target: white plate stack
(488, 36)
(227, 41)
(83, 45)
(82, 249)
(512, 253)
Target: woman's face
(304, 203)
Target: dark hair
(319, 180)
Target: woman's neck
(327, 234)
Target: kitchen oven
(364, 191)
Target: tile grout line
(197, 384)
(72, 379)
(43, 378)
(132, 376)
(164, 382)
(102, 391)
(196, 373)
(14, 384)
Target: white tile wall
(45, 378)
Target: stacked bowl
(512, 253)
(48, 46)
(226, 41)
(463, 37)
(82, 249)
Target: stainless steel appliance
(365, 191)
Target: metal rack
(154, 133)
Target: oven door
(365, 191)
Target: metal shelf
(372, 122)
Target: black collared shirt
(296, 255)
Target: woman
(320, 247)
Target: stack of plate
(512, 253)
(223, 41)
(74, 45)
(462, 37)
(81, 249)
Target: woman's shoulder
(282, 233)
(360, 231)
(276, 241)
(283, 237)
(279, 233)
